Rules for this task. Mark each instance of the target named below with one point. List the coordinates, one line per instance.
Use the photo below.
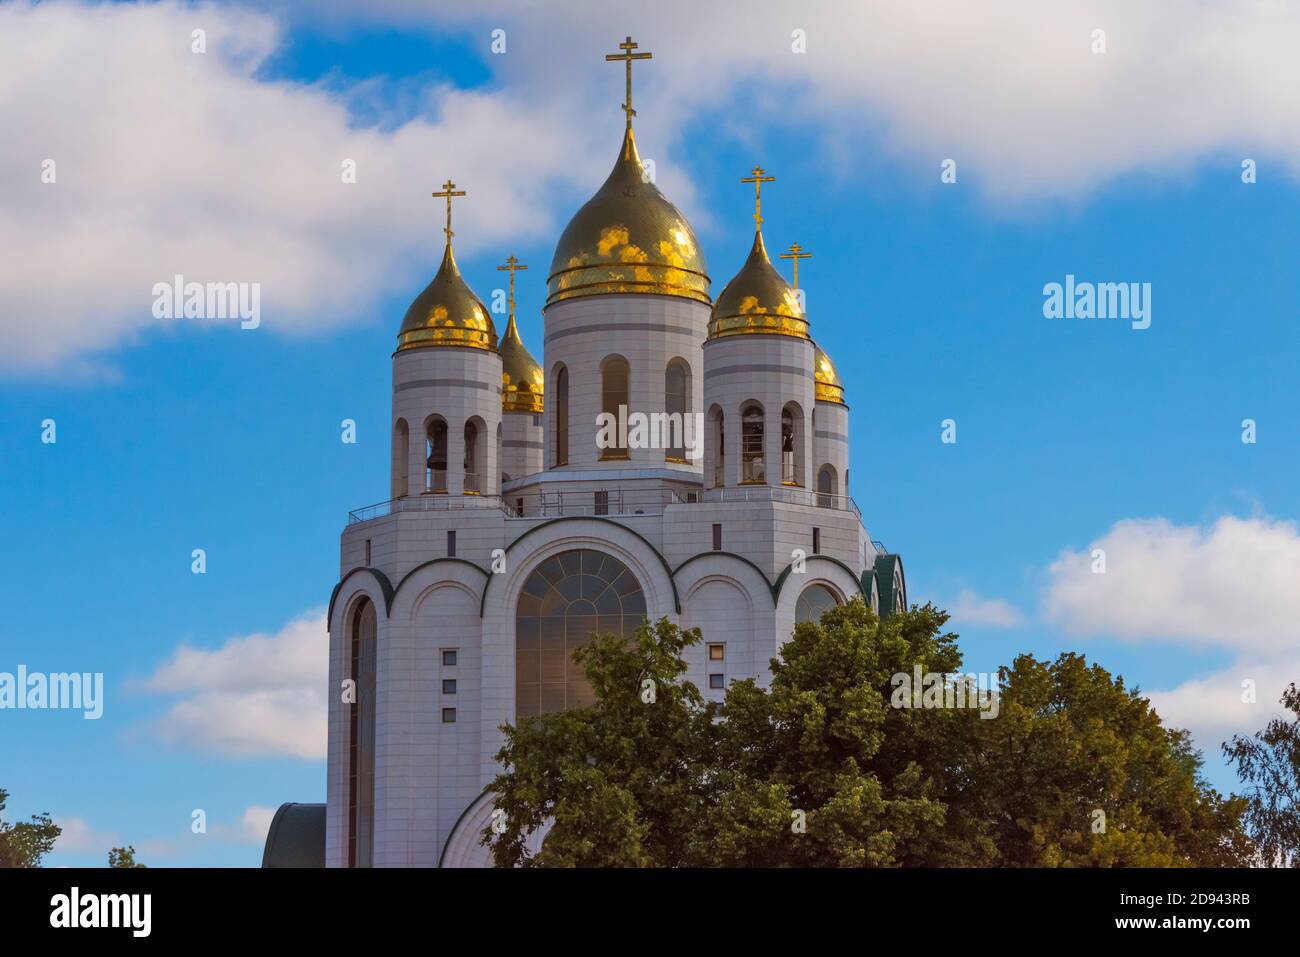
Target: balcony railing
(435, 481)
(769, 493)
(424, 503)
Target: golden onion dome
(628, 238)
(827, 385)
(758, 300)
(521, 375)
(447, 313)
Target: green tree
(822, 767)
(123, 857)
(1269, 763)
(26, 843)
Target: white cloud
(1232, 584)
(255, 695)
(1014, 94)
(1212, 707)
(970, 608)
(171, 162)
(255, 823)
(79, 837)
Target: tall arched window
(792, 442)
(561, 408)
(675, 379)
(613, 396)
(473, 481)
(567, 598)
(361, 736)
(751, 446)
(814, 601)
(401, 463)
(720, 471)
(826, 486)
(435, 447)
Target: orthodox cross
(758, 179)
(627, 56)
(448, 191)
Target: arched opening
(361, 735)
(435, 449)
(614, 386)
(676, 402)
(814, 601)
(752, 471)
(827, 487)
(401, 447)
(714, 451)
(561, 412)
(792, 442)
(473, 457)
(566, 599)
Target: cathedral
(517, 523)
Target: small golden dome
(447, 313)
(827, 387)
(521, 375)
(628, 238)
(758, 300)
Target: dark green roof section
(296, 837)
(885, 567)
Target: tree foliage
(818, 768)
(1269, 763)
(25, 844)
(123, 857)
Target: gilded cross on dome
(448, 191)
(513, 265)
(627, 56)
(758, 179)
(796, 253)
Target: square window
(716, 681)
(717, 652)
(448, 715)
(448, 685)
(448, 656)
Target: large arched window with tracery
(362, 629)
(565, 600)
(814, 601)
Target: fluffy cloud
(173, 162)
(1232, 584)
(255, 695)
(970, 608)
(1213, 709)
(1013, 92)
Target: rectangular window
(717, 652)
(451, 543)
(448, 656)
(817, 541)
(602, 503)
(448, 685)
(717, 537)
(367, 552)
(519, 507)
(716, 681)
(448, 715)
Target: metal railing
(424, 503)
(544, 504)
(769, 493)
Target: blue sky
(928, 297)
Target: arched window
(814, 601)
(401, 464)
(561, 416)
(473, 484)
(720, 473)
(792, 445)
(567, 598)
(361, 736)
(675, 379)
(613, 396)
(827, 488)
(435, 447)
(751, 446)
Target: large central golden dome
(628, 238)
(447, 313)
